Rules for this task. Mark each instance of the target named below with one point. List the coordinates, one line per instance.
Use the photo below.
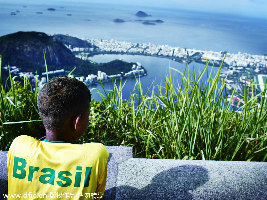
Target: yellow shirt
(44, 170)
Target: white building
(101, 75)
(91, 78)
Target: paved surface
(3, 173)
(117, 155)
(179, 179)
(132, 178)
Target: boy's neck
(56, 136)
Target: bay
(158, 70)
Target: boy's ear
(77, 121)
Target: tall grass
(18, 110)
(190, 120)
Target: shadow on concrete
(112, 173)
(110, 156)
(175, 183)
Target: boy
(56, 168)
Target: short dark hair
(60, 98)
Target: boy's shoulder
(98, 147)
(21, 141)
(28, 147)
(24, 143)
(23, 138)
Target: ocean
(198, 30)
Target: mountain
(26, 50)
(73, 41)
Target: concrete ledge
(117, 155)
(184, 179)
(137, 178)
(3, 173)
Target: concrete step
(3, 173)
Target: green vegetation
(190, 120)
(110, 68)
(18, 111)
(25, 49)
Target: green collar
(45, 140)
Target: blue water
(158, 70)
(204, 31)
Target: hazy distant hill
(73, 41)
(142, 14)
(25, 49)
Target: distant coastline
(179, 54)
(242, 68)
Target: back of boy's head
(61, 98)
